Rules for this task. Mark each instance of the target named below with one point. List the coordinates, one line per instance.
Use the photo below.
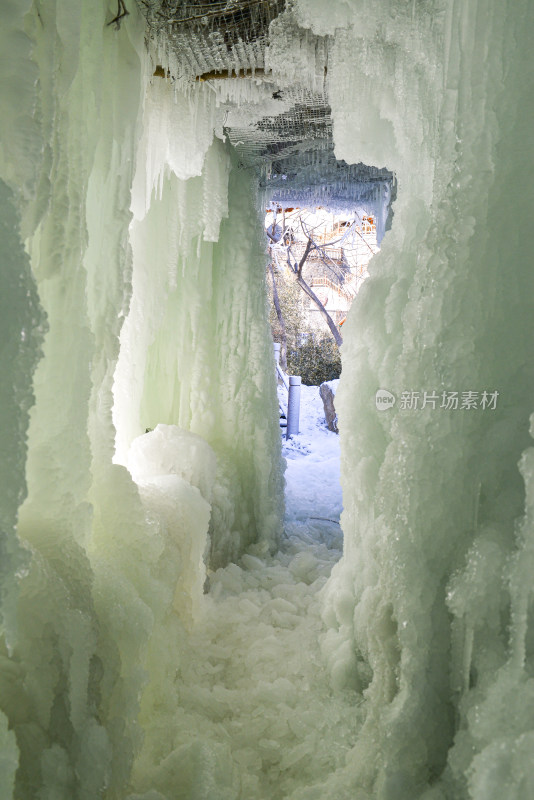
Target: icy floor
(313, 491)
(253, 678)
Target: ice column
(432, 494)
(195, 347)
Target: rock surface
(327, 390)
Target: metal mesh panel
(212, 36)
(273, 140)
(293, 151)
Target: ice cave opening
(139, 141)
(318, 259)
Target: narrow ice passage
(137, 152)
(253, 684)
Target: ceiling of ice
(277, 117)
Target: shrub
(316, 360)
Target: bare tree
(281, 321)
(276, 299)
(285, 242)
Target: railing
(336, 287)
(333, 253)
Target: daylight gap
(320, 238)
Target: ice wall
(20, 333)
(429, 610)
(106, 573)
(433, 590)
(69, 119)
(195, 351)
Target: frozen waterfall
(161, 640)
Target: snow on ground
(313, 491)
(252, 684)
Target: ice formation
(133, 298)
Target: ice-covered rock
(327, 390)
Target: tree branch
(297, 270)
(281, 322)
(326, 316)
(122, 12)
(333, 241)
(302, 261)
(275, 217)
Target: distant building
(336, 271)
